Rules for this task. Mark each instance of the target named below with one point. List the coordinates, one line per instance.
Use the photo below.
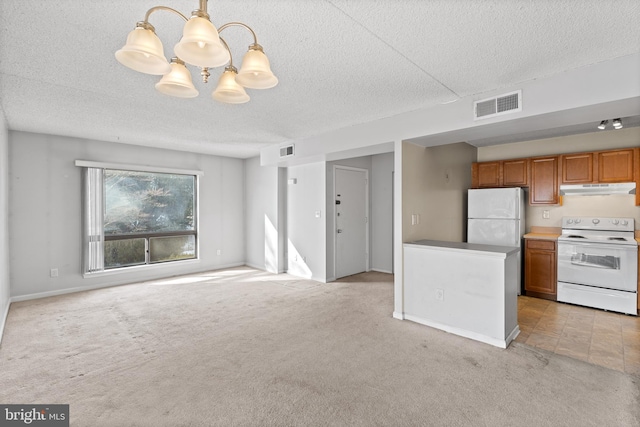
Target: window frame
(90, 202)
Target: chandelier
(200, 46)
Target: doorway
(351, 197)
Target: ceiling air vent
(286, 151)
(503, 104)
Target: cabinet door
(488, 174)
(514, 173)
(615, 166)
(540, 270)
(543, 189)
(577, 168)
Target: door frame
(335, 215)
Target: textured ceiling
(339, 63)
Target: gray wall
(4, 221)
(264, 213)
(434, 186)
(45, 211)
(382, 212)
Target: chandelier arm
(229, 50)
(156, 8)
(239, 24)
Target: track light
(200, 46)
(617, 124)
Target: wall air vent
(503, 104)
(286, 151)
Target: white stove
(598, 263)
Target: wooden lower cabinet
(540, 269)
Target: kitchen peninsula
(463, 288)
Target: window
(138, 217)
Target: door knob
(339, 230)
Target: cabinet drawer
(541, 244)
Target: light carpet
(242, 347)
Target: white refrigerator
(496, 217)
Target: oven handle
(586, 260)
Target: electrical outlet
(545, 214)
(219, 252)
(440, 294)
(53, 272)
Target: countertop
(464, 246)
(541, 236)
(544, 233)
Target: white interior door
(351, 221)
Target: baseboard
(496, 342)
(3, 320)
(378, 270)
(257, 267)
(39, 295)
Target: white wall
(264, 188)
(611, 206)
(382, 212)
(46, 215)
(4, 222)
(590, 93)
(306, 241)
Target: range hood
(598, 189)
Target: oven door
(602, 265)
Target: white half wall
(306, 224)
(4, 222)
(46, 215)
(263, 190)
(434, 187)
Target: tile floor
(595, 336)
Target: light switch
(318, 214)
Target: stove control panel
(598, 223)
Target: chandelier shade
(143, 52)
(178, 82)
(200, 44)
(228, 90)
(255, 72)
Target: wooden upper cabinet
(506, 173)
(485, 174)
(543, 189)
(514, 173)
(616, 166)
(577, 168)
